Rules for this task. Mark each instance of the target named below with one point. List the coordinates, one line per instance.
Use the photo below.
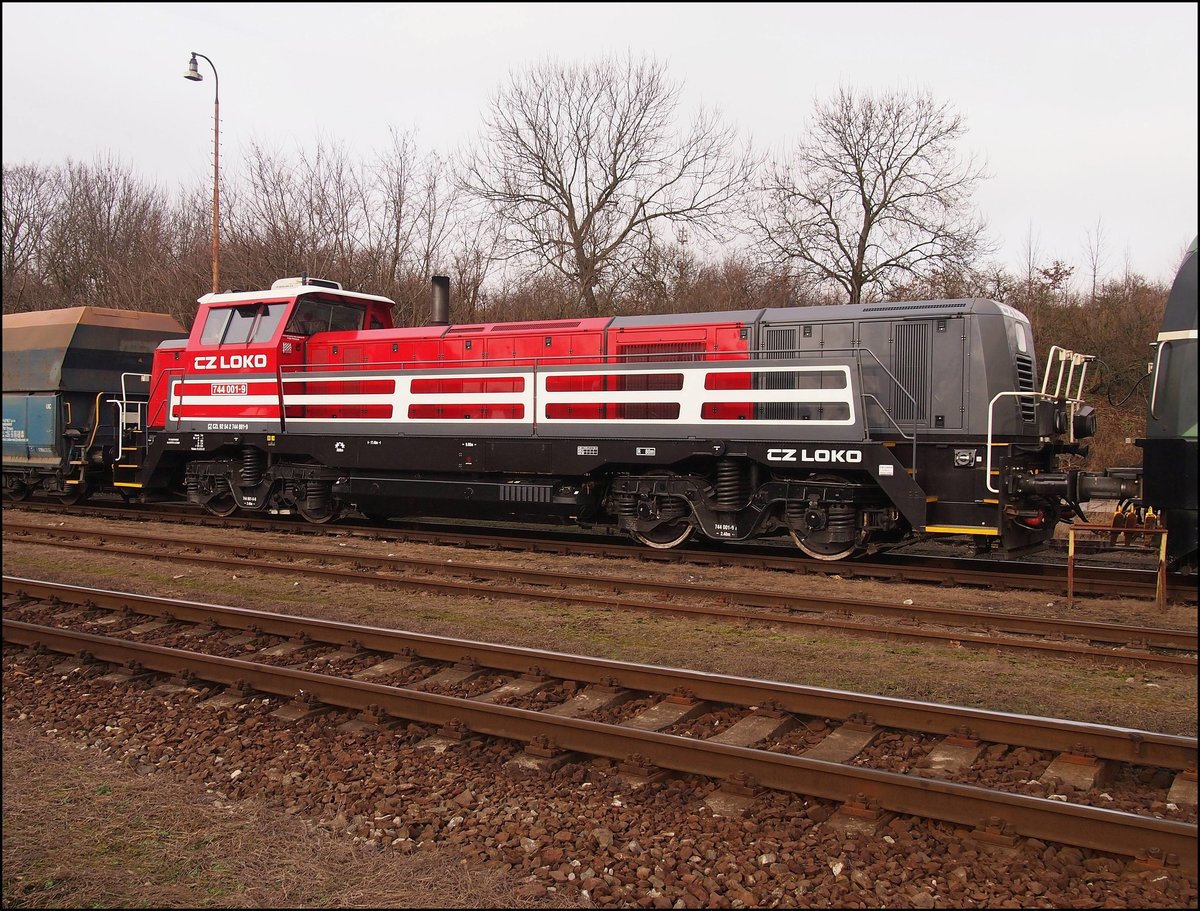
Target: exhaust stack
(440, 309)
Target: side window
(214, 326)
(344, 318)
(309, 318)
(313, 315)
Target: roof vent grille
(300, 281)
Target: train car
(1169, 450)
(847, 428)
(73, 381)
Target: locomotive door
(292, 361)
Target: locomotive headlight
(1084, 424)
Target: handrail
(1063, 392)
(991, 415)
(888, 415)
(1066, 356)
(123, 403)
(279, 396)
(1157, 376)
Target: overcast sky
(1081, 112)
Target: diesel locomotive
(1169, 449)
(847, 428)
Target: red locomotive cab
(244, 346)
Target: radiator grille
(1025, 384)
(779, 342)
(536, 327)
(898, 308)
(660, 351)
(912, 370)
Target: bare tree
(471, 257)
(108, 233)
(877, 194)
(1033, 259)
(415, 208)
(1095, 254)
(580, 162)
(31, 198)
(304, 213)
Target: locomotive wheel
(808, 542)
(221, 505)
(821, 551)
(317, 517)
(665, 535)
(17, 492)
(76, 495)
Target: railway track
(894, 566)
(650, 720)
(1169, 649)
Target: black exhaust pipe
(440, 309)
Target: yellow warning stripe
(961, 530)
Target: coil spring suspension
(672, 508)
(317, 495)
(840, 523)
(729, 484)
(626, 505)
(254, 465)
(192, 483)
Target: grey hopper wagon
(62, 434)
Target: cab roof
(279, 292)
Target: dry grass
(83, 831)
(1055, 687)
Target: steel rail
(474, 588)
(1084, 826)
(1092, 580)
(1119, 744)
(1154, 637)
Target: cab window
(313, 315)
(268, 321)
(214, 326)
(243, 324)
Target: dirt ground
(82, 831)
(65, 809)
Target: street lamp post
(193, 73)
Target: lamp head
(193, 71)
